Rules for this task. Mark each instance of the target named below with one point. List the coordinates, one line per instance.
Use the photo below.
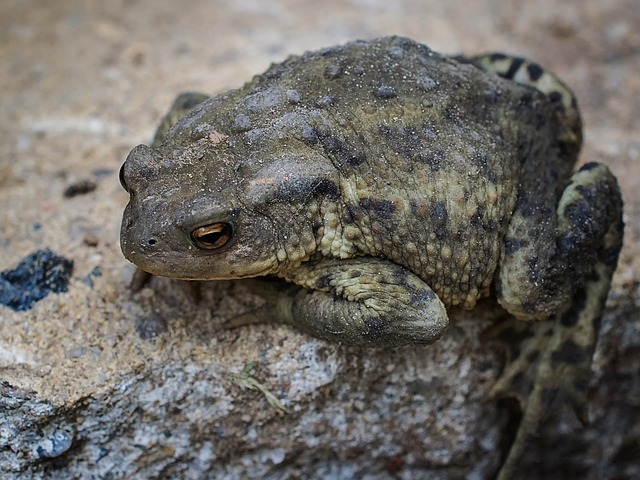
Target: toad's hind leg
(526, 72)
(589, 239)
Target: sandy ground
(84, 82)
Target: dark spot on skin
(242, 123)
(516, 63)
(264, 99)
(526, 206)
(512, 245)
(309, 135)
(555, 97)
(331, 72)
(347, 218)
(570, 242)
(293, 97)
(301, 189)
(535, 71)
(593, 276)
(330, 51)
(385, 92)
(589, 166)
(340, 149)
(454, 116)
(588, 192)
(353, 213)
(481, 160)
(429, 132)
(439, 218)
(491, 95)
(323, 187)
(474, 273)
(410, 142)
(495, 57)
(397, 53)
(442, 234)
(189, 100)
(570, 353)
(383, 208)
(375, 328)
(354, 274)
(358, 70)
(324, 283)
(326, 102)
(275, 71)
(426, 83)
(439, 213)
(400, 274)
(539, 123)
(421, 296)
(580, 214)
(255, 135)
(526, 99)
(530, 307)
(477, 219)
(572, 315)
(435, 159)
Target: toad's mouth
(194, 266)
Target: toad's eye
(212, 237)
(121, 176)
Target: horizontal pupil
(211, 237)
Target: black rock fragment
(39, 274)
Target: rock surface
(100, 383)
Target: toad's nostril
(150, 242)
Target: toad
(383, 184)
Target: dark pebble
(39, 274)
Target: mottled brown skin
(385, 183)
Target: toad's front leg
(360, 301)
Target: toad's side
(386, 183)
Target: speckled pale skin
(386, 183)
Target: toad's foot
(562, 372)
